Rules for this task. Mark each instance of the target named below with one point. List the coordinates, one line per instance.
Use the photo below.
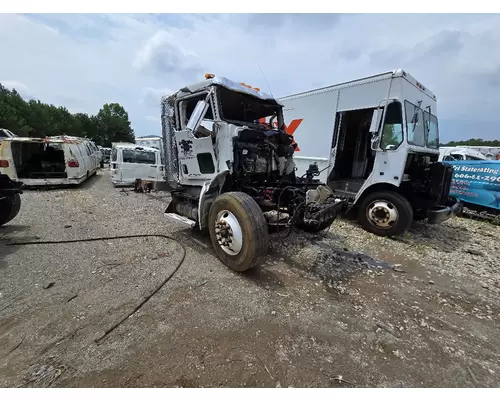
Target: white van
(460, 154)
(55, 160)
(130, 162)
(5, 133)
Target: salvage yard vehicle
(10, 199)
(130, 162)
(49, 161)
(5, 133)
(475, 181)
(234, 177)
(460, 153)
(106, 155)
(154, 142)
(376, 141)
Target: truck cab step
(181, 219)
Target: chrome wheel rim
(382, 214)
(228, 232)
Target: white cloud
(21, 88)
(151, 96)
(83, 61)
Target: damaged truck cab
(234, 176)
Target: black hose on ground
(146, 298)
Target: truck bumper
(442, 214)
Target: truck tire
(238, 230)
(9, 208)
(385, 213)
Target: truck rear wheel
(385, 213)
(9, 208)
(238, 230)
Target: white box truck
(376, 141)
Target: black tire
(402, 207)
(253, 226)
(9, 208)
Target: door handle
(153, 166)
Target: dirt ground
(421, 311)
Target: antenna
(267, 83)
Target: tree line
(473, 142)
(36, 119)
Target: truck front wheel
(238, 230)
(9, 208)
(385, 213)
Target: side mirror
(197, 116)
(376, 117)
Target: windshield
(240, 108)
(415, 124)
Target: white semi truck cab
(234, 176)
(376, 140)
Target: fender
(217, 181)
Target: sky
(82, 61)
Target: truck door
(113, 158)
(387, 142)
(138, 163)
(195, 141)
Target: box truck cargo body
(376, 142)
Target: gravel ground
(341, 308)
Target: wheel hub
(228, 232)
(382, 214)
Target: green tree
(473, 142)
(113, 125)
(37, 119)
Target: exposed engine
(426, 182)
(263, 155)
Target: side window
(457, 156)
(114, 154)
(415, 124)
(128, 155)
(392, 132)
(206, 128)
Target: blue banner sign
(476, 182)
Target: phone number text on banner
(476, 182)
